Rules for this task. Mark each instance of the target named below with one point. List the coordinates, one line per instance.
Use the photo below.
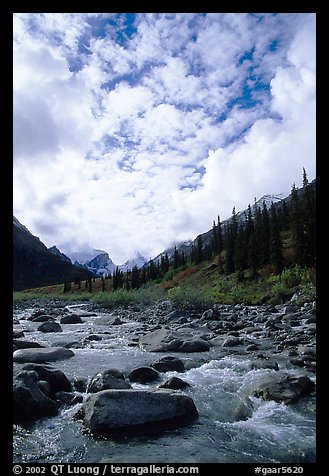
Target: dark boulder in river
(29, 402)
(110, 379)
(175, 383)
(50, 326)
(118, 412)
(282, 387)
(170, 363)
(57, 380)
(71, 319)
(143, 375)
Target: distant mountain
(83, 257)
(55, 251)
(137, 260)
(100, 264)
(207, 236)
(34, 265)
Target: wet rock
(18, 334)
(311, 320)
(50, 326)
(209, 314)
(68, 398)
(167, 364)
(251, 347)
(311, 328)
(143, 375)
(35, 314)
(135, 411)
(29, 402)
(57, 380)
(42, 318)
(109, 321)
(80, 384)
(264, 364)
(173, 316)
(305, 350)
(71, 319)
(47, 354)
(195, 345)
(174, 383)
(232, 342)
(297, 362)
(93, 337)
(25, 344)
(110, 379)
(290, 309)
(44, 387)
(282, 387)
(164, 340)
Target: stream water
(233, 426)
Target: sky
(135, 131)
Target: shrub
(187, 298)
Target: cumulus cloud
(132, 133)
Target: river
(233, 426)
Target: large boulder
(134, 411)
(110, 379)
(168, 340)
(47, 354)
(170, 363)
(43, 318)
(143, 375)
(57, 380)
(71, 319)
(194, 345)
(18, 334)
(29, 402)
(50, 326)
(282, 387)
(26, 344)
(108, 321)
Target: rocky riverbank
(148, 369)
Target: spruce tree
(308, 205)
(296, 225)
(276, 257)
(229, 249)
(199, 249)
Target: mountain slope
(34, 265)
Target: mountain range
(187, 246)
(36, 265)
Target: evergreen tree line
(249, 243)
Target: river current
(233, 427)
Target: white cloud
(134, 144)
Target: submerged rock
(282, 387)
(175, 383)
(134, 411)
